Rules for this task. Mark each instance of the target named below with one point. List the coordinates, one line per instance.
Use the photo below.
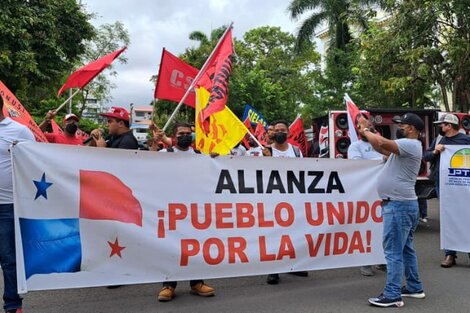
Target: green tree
(41, 40)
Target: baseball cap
(448, 118)
(117, 112)
(410, 119)
(71, 115)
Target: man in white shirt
(183, 136)
(363, 150)
(11, 133)
(282, 149)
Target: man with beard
(400, 212)
(69, 134)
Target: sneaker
(366, 271)
(166, 294)
(301, 273)
(383, 302)
(273, 279)
(202, 290)
(417, 295)
(381, 267)
(423, 220)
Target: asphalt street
(338, 290)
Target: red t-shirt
(64, 140)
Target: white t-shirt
(9, 131)
(289, 153)
(361, 150)
(255, 151)
(176, 150)
(238, 151)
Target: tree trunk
(445, 99)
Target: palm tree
(337, 14)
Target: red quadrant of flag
(105, 197)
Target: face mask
(71, 128)
(400, 133)
(252, 144)
(280, 138)
(184, 141)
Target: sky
(154, 24)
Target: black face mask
(71, 128)
(184, 141)
(400, 133)
(252, 144)
(280, 138)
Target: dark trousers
(174, 283)
(11, 298)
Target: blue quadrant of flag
(51, 246)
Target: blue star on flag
(41, 187)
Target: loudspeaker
(464, 122)
(340, 139)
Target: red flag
(260, 134)
(174, 78)
(105, 197)
(16, 111)
(354, 114)
(215, 76)
(247, 123)
(297, 136)
(81, 77)
(56, 128)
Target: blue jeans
(11, 298)
(400, 219)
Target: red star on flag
(115, 248)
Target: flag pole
(198, 76)
(65, 102)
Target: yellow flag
(225, 129)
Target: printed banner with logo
(82, 219)
(254, 116)
(454, 192)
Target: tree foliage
(40, 41)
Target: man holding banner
(11, 132)
(399, 207)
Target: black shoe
(114, 286)
(301, 273)
(273, 279)
(417, 295)
(383, 302)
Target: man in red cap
(120, 135)
(69, 134)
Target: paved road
(339, 290)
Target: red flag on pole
(297, 136)
(353, 115)
(174, 78)
(260, 134)
(81, 77)
(215, 77)
(16, 111)
(247, 123)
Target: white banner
(454, 194)
(91, 217)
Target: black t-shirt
(124, 141)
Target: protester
(282, 149)
(69, 134)
(450, 135)
(399, 207)
(11, 132)
(254, 150)
(182, 134)
(238, 150)
(120, 135)
(363, 150)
